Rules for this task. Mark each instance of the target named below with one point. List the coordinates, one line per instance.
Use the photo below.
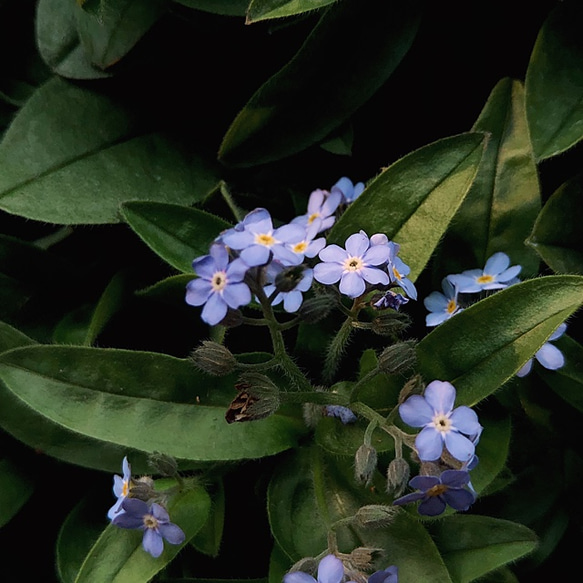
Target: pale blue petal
(441, 396)
(238, 239)
(330, 570)
(429, 444)
(465, 420)
(118, 485)
(380, 239)
(465, 283)
(436, 302)
(205, 267)
(416, 411)
(292, 301)
(357, 244)
(316, 201)
(255, 255)
(459, 446)
(298, 577)
(352, 284)
(331, 203)
(497, 263)
(172, 533)
(153, 543)
(525, 369)
(376, 254)
(558, 332)
(509, 274)
(214, 310)
(327, 273)
(286, 256)
(333, 253)
(550, 357)
(409, 287)
(434, 319)
(198, 292)
(290, 233)
(237, 294)
(236, 270)
(374, 275)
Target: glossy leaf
(176, 233)
(92, 406)
(557, 236)
(118, 556)
(414, 200)
(15, 489)
(554, 83)
(472, 546)
(81, 160)
(224, 7)
(481, 348)
(58, 40)
(120, 24)
(265, 9)
(503, 202)
(294, 109)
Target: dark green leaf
(176, 233)
(554, 82)
(15, 489)
(325, 83)
(481, 348)
(70, 157)
(265, 9)
(208, 539)
(414, 200)
(12, 338)
(472, 546)
(557, 235)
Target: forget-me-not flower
(354, 266)
(495, 275)
(121, 488)
(442, 306)
(292, 299)
(155, 523)
(548, 355)
(220, 284)
(437, 492)
(397, 269)
(321, 208)
(389, 575)
(442, 424)
(345, 414)
(350, 192)
(330, 570)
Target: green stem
(237, 213)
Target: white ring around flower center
(150, 521)
(219, 281)
(441, 423)
(353, 264)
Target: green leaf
(265, 9)
(12, 338)
(176, 233)
(118, 556)
(472, 546)
(554, 82)
(414, 200)
(58, 40)
(481, 348)
(170, 290)
(208, 539)
(70, 157)
(557, 235)
(15, 489)
(324, 83)
(92, 406)
(120, 24)
(225, 7)
(503, 202)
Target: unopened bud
(315, 309)
(233, 319)
(390, 324)
(398, 474)
(288, 278)
(257, 398)
(398, 358)
(312, 413)
(163, 464)
(213, 358)
(375, 516)
(365, 463)
(142, 488)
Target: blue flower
(121, 488)
(350, 192)
(292, 300)
(437, 492)
(353, 266)
(220, 284)
(330, 570)
(398, 271)
(389, 575)
(442, 305)
(321, 208)
(343, 413)
(389, 299)
(256, 240)
(548, 355)
(442, 425)
(495, 275)
(155, 523)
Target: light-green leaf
(176, 233)
(265, 9)
(414, 200)
(324, 83)
(92, 406)
(557, 235)
(554, 82)
(70, 156)
(472, 546)
(482, 347)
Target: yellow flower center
(396, 274)
(150, 521)
(353, 264)
(300, 247)
(219, 281)
(485, 278)
(451, 307)
(313, 217)
(265, 239)
(437, 490)
(125, 488)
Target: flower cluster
(256, 258)
(445, 430)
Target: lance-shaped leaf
(58, 40)
(481, 348)
(414, 200)
(310, 491)
(176, 233)
(118, 556)
(12, 338)
(265, 9)
(472, 546)
(501, 206)
(70, 156)
(554, 82)
(208, 539)
(557, 235)
(350, 53)
(171, 290)
(120, 24)
(15, 489)
(92, 406)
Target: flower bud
(258, 398)
(390, 324)
(365, 463)
(398, 474)
(213, 358)
(233, 319)
(375, 516)
(288, 278)
(398, 358)
(142, 488)
(315, 309)
(163, 464)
